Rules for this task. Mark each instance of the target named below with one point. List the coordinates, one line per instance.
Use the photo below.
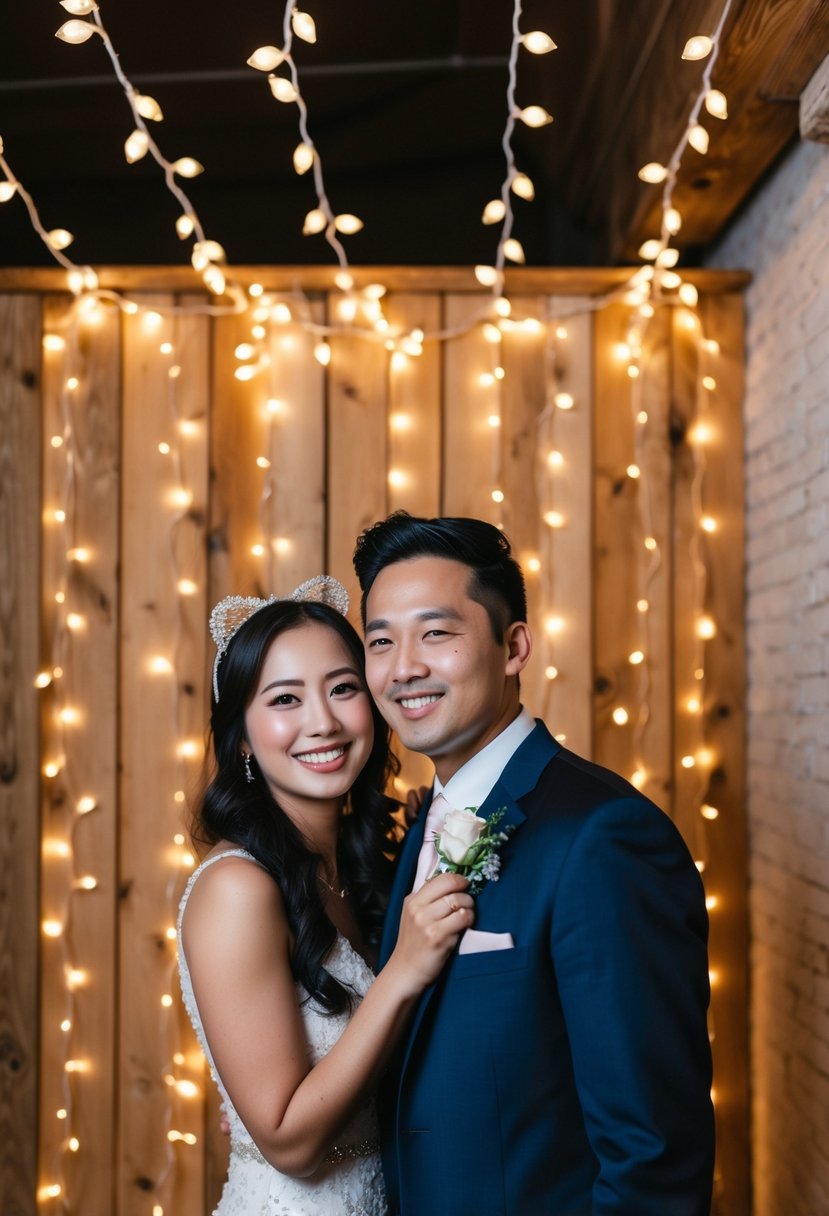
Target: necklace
(340, 892)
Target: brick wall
(783, 238)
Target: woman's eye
(341, 690)
(284, 698)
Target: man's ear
(519, 642)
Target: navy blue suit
(571, 1074)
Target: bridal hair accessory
(230, 614)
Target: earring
(246, 762)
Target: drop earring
(248, 772)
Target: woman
(278, 925)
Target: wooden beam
(770, 50)
(586, 281)
(814, 106)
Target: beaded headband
(230, 614)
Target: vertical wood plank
(414, 454)
(236, 437)
(82, 476)
(523, 401)
(294, 512)
(617, 536)
(726, 874)
(20, 441)
(472, 451)
(357, 451)
(653, 678)
(162, 542)
(565, 580)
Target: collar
(472, 782)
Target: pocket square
(476, 941)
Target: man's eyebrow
(429, 614)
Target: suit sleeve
(628, 938)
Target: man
(561, 1065)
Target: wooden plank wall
(181, 482)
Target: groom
(560, 1066)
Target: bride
(278, 926)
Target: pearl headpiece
(230, 614)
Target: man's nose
(409, 664)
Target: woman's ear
(519, 642)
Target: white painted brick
(783, 238)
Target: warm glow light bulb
(186, 586)
(315, 221)
(716, 104)
(75, 32)
(187, 166)
(266, 58)
(673, 220)
(487, 276)
(653, 173)
(537, 42)
(705, 628)
(698, 47)
(523, 187)
(709, 812)
(282, 89)
(52, 928)
(59, 238)
(79, 8)
(347, 224)
(491, 333)
(136, 146)
(493, 212)
(689, 295)
(698, 138)
(7, 191)
(514, 250)
(620, 715)
(553, 519)
(633, 471)
(303, 26)
(636, 657)
(649, 250)
(534, 116)
(303, 158)
(550, 672)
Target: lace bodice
(349, 1182)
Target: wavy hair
(248, 815)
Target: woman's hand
(431, 923)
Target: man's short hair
(496, 579)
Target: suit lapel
(518, 778)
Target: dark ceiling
(407, 106)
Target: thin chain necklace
(339, 892)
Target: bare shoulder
(232, 896)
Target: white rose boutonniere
(468, 845)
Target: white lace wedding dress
(349, 1183)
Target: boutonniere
(469, 845)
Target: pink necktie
(428, 857)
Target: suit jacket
(569, 1075)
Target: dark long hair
(248, 814)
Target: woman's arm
(237, 943)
